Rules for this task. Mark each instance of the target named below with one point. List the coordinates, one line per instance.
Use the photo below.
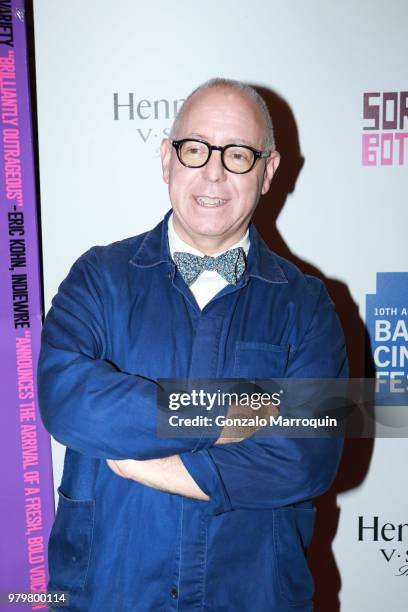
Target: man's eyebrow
(242, 141)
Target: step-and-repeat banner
(26, 495)
(110, 79)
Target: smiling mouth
(207, 202)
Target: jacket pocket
(70, 542)
(293, 528)
(260, 360)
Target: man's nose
(214, 171)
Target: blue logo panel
(387, 325)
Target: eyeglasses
(238, 159)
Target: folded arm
(268, 472)
(167, 474)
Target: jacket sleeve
(271, 472)
(86, 403)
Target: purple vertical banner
(26, 502)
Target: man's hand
(167, 474)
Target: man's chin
(210, 231)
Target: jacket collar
(262, 262)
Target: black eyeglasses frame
(257, 154)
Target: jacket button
(174, 593)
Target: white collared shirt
(209, 283)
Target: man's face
(212, 206)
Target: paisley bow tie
(230, 265)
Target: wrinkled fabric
(122, 319)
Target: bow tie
(230, 265)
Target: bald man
(160, 523)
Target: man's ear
(165, 154)
(271, 167)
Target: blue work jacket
(122, 319)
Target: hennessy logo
(145, 109)
(373, 531)
(147, 115)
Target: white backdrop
(101, 181)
